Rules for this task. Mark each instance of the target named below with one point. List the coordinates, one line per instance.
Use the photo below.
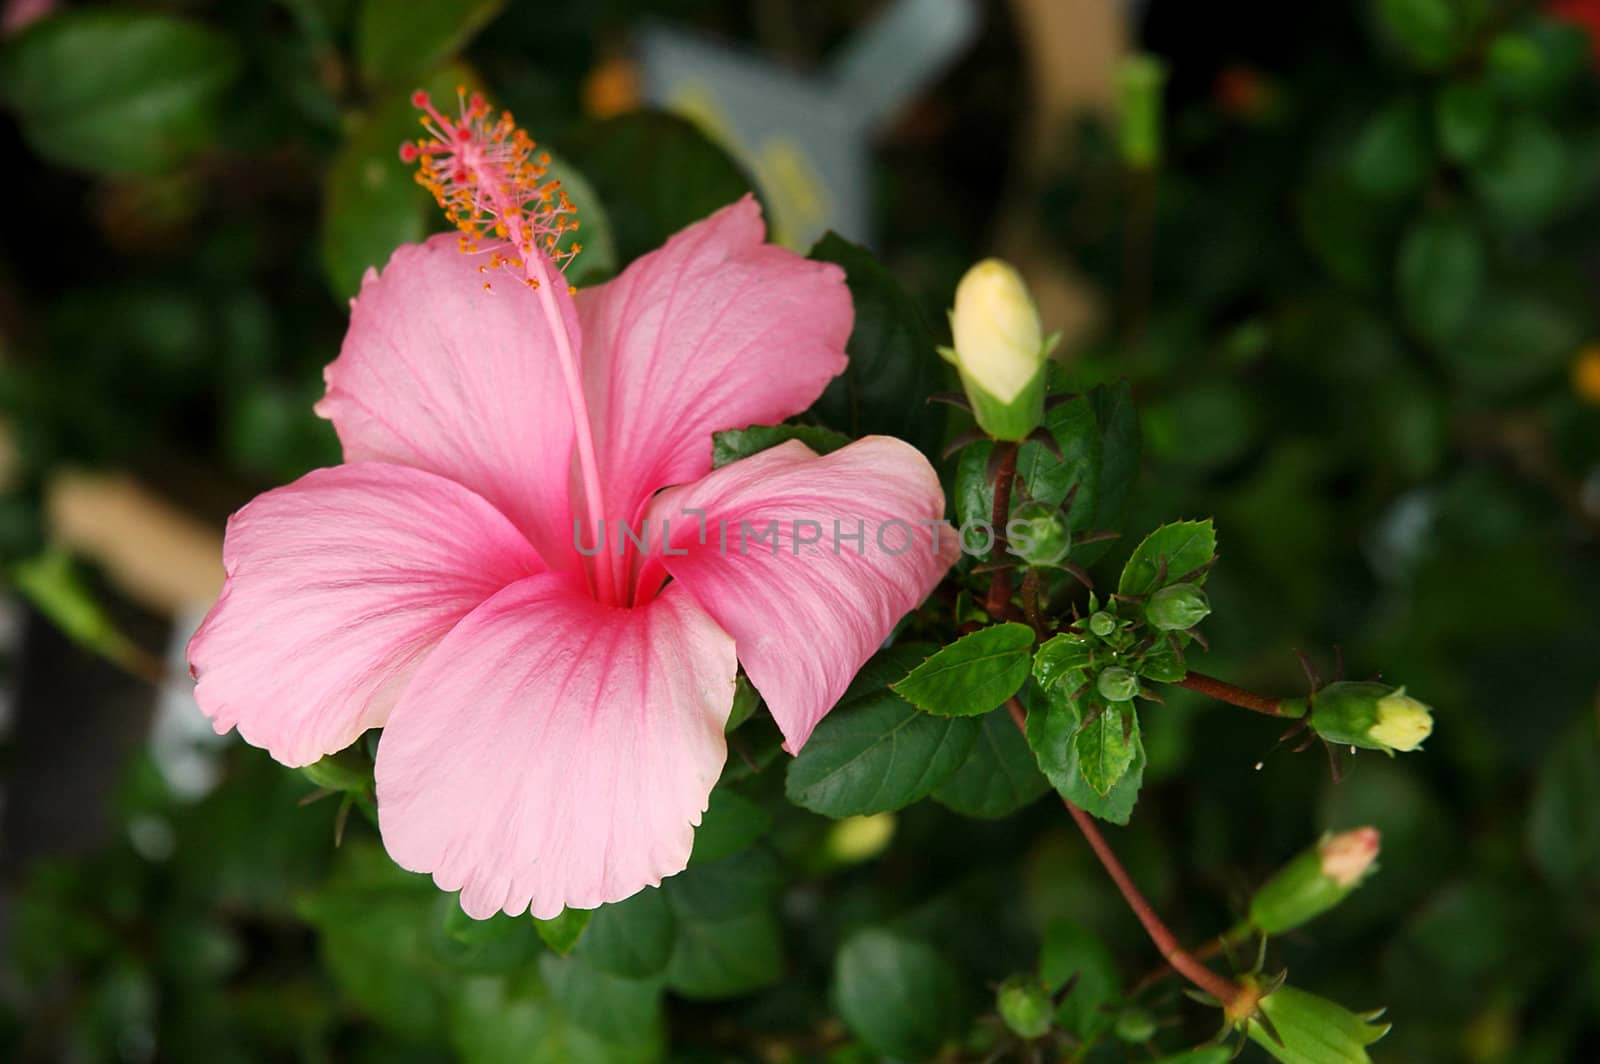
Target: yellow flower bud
(999, 350)
(1402, 722)
(996, 327)
(1373, 716)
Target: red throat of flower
(491, 184)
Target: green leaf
(728, 940)
(746, 700)
(1072, 954)
(548, 1014)
(1208, 1055)
(1346, 230)
(469, 934)
(1430, 31)
(875, 752)
(348, 770)
(1170, 552)
(563, 932)
(1390, 157)
(373, 921)
(1105, 747)
(1120, 447)
(1098, 437)
(735, 444)
(999, 776)
(1524, 175)
(1206, 426)
(117, 92)
(1161, 662)
(623, 1012)
(632, 938)
(974, 674)
(1514, 338)
(371, 204)
(1063, 662)
(893, 366)
(398, 40)
(55, 587)
(899, 995)
(655, 173)
(1440, 275)
(729, 824)
(1564, 817)
(1050, 478)
(1537, 62)
(1466, 118)
(1052, 729)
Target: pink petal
(556, 752)
(807, 617)
(716, 330)
(438, 373)
(338, 586)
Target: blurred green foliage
(1370, 273)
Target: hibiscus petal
(338, 586)
(556, 752)
(440, 374)
(715, 330)
(810, 605)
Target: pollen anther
(482, 171)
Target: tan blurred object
(1072, 48)
(164, 558)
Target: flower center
(485, 175)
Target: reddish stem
(1000, 582)
(1224, 990)
(1234, 696)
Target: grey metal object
(806, 138)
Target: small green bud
(1117, 684)
(1038, 534)
(1373, 716)
(1135, 1025)
(858, 838)
(1177, 608)
(1141, 79)
(1102, 623)
(999, 350)
(1024, 1005)
(1315, 881)
(1306, 1029)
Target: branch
(1224, 990)
(1000, 582)
(1234, 696)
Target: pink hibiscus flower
(553, 714)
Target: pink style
(553, 721)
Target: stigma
(493, 184)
